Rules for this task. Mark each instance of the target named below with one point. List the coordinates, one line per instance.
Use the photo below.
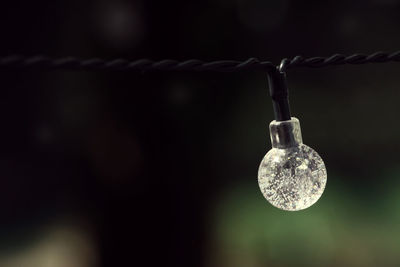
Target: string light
(292, 176)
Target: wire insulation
(144, 65)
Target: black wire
(339, 59)
(280, 95)
(143, 65)
(276, 75)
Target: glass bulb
(292, 176)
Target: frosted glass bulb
(292, 176)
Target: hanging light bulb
(292, 176)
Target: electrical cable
(145, 65)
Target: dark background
(160, 169)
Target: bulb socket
(285, 134)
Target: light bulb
(292, 176)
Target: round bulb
(292, 176)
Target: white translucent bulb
(292, 176)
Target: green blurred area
(344, 228)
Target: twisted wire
(71, 63)
(144, 65)
(339, 59)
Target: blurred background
(160, 169)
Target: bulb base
(285, 134)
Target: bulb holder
(285, 134)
